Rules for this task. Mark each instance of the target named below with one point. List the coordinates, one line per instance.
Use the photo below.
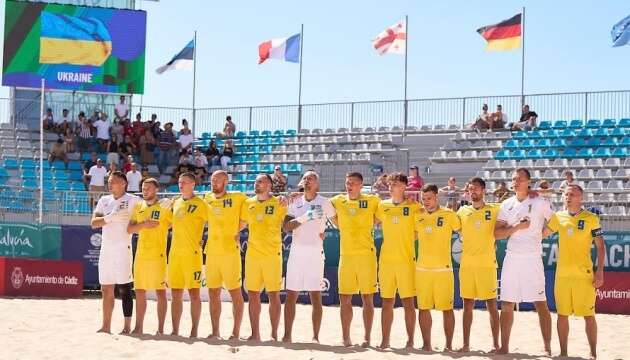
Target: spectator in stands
(527, 120)
(58, 152)
(569, 179)
(155, 129)
(381, 186)
(185, 158)
(49, 120)
(483, 121)
(111, 168)
(97, 175)
(465, 198)
(185, 139)
(451, 193)
(128, 147)
(498, 118)
(86, 169)
(95, 116)
(62, 123)
(85, 133)
(102, 126)
(137, 128)
(200, 160)
(414, 181)
(147, 147)
(167, 144)
(229, 129)
(113, 151)
(153, 120)
(545, 190)
(145, 174)
(68, 139)
(278, 181)
(134, 178)
(117, 131)
(226, 154)
(121, 110)
(128, 164)
(502, 192)
(213, 154)
(200, 175)
(127, 128)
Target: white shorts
(522, 279)
(305, 269)
(115, 264)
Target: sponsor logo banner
(614, 296)
(53, 278)
(30, 240)
(83, 244)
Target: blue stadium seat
(544, 125)
(593, 142)
(543, 144)
(518, 154)
(576, 124)
(535, 134)
(618, 132)
(86, 156)
(11, 163)
(624, 123)
(76, 176)
(559, 125)
(29, 174)
(277, 141)
(254, 168)
(241, 188)
(49, 185)
(74, 165)
(251, 177)
(292, 132)
(625, 141)
(551, 134)
(295, 168)
(267, 168)
(278, 133)
(534, 154)
(559, 143)
(230, 187)
(63, 185)
(585, 133)
(501, 155)
(586, 153)
(620, 152)
(519, 135)
(577, 142)
(238, 159)
(4, 172)
(49, 175)
(206, 136)
(601, 132)
(29, 163)
(240, 178)
(284, 168)
(610, 142)
(602, 152)
(609, 123)
(593, 123)
(528, 144)
(240, 134)
(568, 153)
(567, 133)
(511, 144)
(265, 133)
(254, 133)
(77, 186)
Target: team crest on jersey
(259, 217)
(216, 210)
(570, 231)
(428, 229)
(478, 224)
(352, 211)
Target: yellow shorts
(184, 270)
(263, 273)
(399, 276)
(149, 274)
(574, 296)
(357, 274)
(223, 271)
(478, 283)
(435, 289)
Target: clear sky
(568, 48)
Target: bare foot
(494, 350)
(384, 345)
(286, 339)
(563, 354)
(103, 330)
(365, 344)
(175, 333)
(464, 348)
(193, 334)
(137, 331)
(315, 340)
(125, 331)
(159, 333)
(502, 351)
(593, 357)
(253, 338)
(426, 348)
(234, 337)
(213, 337)
(409, 345)
(347, 342)
(274, 337)
(548, 350)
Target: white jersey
(308, 234)
(526, 241)
(115, 233)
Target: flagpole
(194, 87)
(300, 79)
(523, 59)
(406, 42)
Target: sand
(65, 329)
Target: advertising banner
(30, 240)
(33, 277)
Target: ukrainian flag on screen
(73, 40)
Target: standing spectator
(278, 181)
(62, 123)
(452, 193)
(499, 118)
(118, 131)
(111, 169)
(147, 146)
(102, 126)
(128, 164)
(213, 154)
(527, 120)
(185, 139)
(58, 152)
(127, 128)
(483, 121)
(134, 178)
(167, 144)
(113, 151)
(145, 174)
(153, 120)
(569, 179)
(465, 198)
(414, 181)
(137, 127)
(501, 193)
(85, 133)
(128, 147)
(97, 175)
(229, 129)
(68, 138)
(121, 111)
(48, 120)
(95, 116)
(381, 187)
(226, 154)
(86, 169)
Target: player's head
(99, 162)
(452, 181)
(150, 187)
(354, 182)
(262, 185)
(476, 189)
(430, 196)
(186, 183)
(219, 180)
(117, 183)
(310, 181)
(520, 180)
(397, 182)
(573, 196)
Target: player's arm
(502, 230)
(98, 221)
(135, 227)
(547, 232)
(242, 225)
(601, 253)
(290, 223)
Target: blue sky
(568, 48)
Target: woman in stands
(113, 147)
(451, 192)
(213, 155)
(147, 147)
(69, 141)
(226, 154)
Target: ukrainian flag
(72, 40)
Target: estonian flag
(505, 35)
(183, 60)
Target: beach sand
(66, 329)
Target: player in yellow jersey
(151, 222)
(223, 251)
(357, 262)
(396, 269)
(575, 279)
(478, 265)
(264, 215)
(190, 214)
(434, 269)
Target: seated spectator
(121, 110)
(501, 193)
(147, 147)
(180, 169)
(68, 139)
(381, 187)
(185, 158)
(102, 126)
(97, 175)
(118, 131)
(213, 154)
(199, 159)
(414, 182)
(185, 139)
(63, 123)
(49, 120)
(58, 152)
(465, 198)
(569, 179)
(95, 116)
(113, 152)
(200, 175)
(128, 147)
(134, 178)
(127, 128)
(226, 154)
(498, 118)
(278, 181)
(229, 129)
(86, 169)
(167, 145)
(483, 121)
(451, 192)
(527, 120)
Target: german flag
(505, 35)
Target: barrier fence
(420, 112)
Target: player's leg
(368, 317)
(425, 321)
(195, 311)
(214, 295)
(141, 308)
(467, 292)
(493, 313)
(410, 320)
(345, 312)
(348, 285)
(443, 292)
(387, 287)
(317, 312)
(448, 317)
(563, 333)
(424, 294)
(544, 318)
(162, 305)
(232, 276)
(506, 319)
(467, 319)
(127, 305)
(289, 314)
(591, 333)
(176, 309)
(367, 277)
(107, 292)
(254, 285)
(275, 309)
(237, 311)
(254, 313)
(387, 318)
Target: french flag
(287, 49)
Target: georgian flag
(392, 40)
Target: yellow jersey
(264, 220)
(152, 242)
(576, 233)
(398, 223)
(356, 223)
(224, 222)
(189, 218)
(435, 231)
(477, 235)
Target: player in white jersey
(112, 214)
(306, 217)
(521, 219)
